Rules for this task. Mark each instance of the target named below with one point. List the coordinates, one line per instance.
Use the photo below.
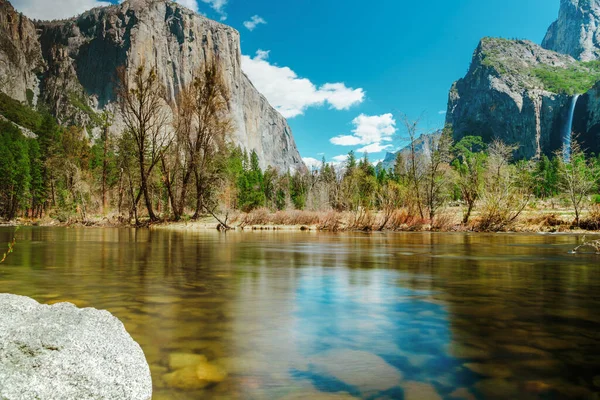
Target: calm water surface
(320, 316)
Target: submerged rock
(212, 373)
(363, 370)
(182, 360)
(420, 391)
(195, 376)
(63, 352)
(185, 378)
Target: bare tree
(436, 180)
(202, 124)
(507, 188)
(107, 119)
(578, 176)
(469, 166)
(414, 164)
(144, 111)
(390, 197)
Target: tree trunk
(104, 170)
(468, 214)
(145, 192)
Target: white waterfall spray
(568, 130)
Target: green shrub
(78, 101)
(576, 79)
(29, 93)
(19, 113)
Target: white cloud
(49, 10)
(442, 112)
(346, 140)
(254, 22)
(340, 159)
(312, 163)
(218, 6)
(191, 4)
(371, 132)
(374, 148)
(340, 96)
(292, 95)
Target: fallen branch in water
(222, 224)
(592, 244)
(11, 246)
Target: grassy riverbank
(545, 218)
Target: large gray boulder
(63, 352)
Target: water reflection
(300, 315)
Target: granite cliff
(21, 60)
(71, 66)
(526, 94)
(577, 30)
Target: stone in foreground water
(63, 352)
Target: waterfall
(567, 134)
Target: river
(335, 316)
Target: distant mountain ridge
(71, 66)
(421, 145)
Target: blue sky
(348, 69)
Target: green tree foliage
(15, 171)
(546, 179)
(143, 108)
(19, 113)
(66, 173)
(251, 193)
(469, 165)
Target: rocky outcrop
(62, 352)
(577, 30)
(20, 55)
(82, 55)
(422, 144)
(508, 93)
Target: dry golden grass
(264, 216)
(402, 220)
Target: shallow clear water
(306, 315)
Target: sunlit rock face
(20, 55)
(577, 30)
(499, 98)
(81, 56)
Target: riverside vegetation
(185, 167)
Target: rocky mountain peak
(577, 30)
(71, 65)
